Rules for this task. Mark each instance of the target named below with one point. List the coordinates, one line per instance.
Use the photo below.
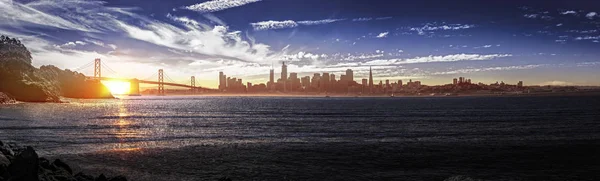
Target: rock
(6, 150)
(25, 165)
(224, 179)
(62, 165)
(45, 164)
(4, 161)
(101, 178)
(118, 178)
(5, 99)
(83, 177)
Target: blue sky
(539, 42)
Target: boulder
(83, 177)
(4, 161)
(101, 177)
(5, 149)
(25, 165)
(62, 165)
(118, 178)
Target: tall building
(284, 72)
(271, 83)
(316, 81)
(272, 76)
(349, 75)
(454, 81)
(365, 82)
(306, 82)
(387, 84)
(294, 82)
(222, 81)
(520, 84)
(325, 82)
(370, 80)
(399, 83)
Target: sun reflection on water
(123, 131)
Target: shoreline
(586, 93)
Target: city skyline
(538, 42)
(346, 85)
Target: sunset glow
(117, 87)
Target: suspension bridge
(134, 84)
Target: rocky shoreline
(23, 163)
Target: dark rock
(118, 178)
(45, 164)
(83, 177)
(4, 161)
(6, 150)
(224, 179)
(25, 165)
(101, 178)
(62, 165)
(5, 99)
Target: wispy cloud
(592, 15)
(472, 70)
(437, 59)
(431, 27)
(588, 38)
(370, 19)
(218, 5)
(319, 22)
(383, 35)
(568, 12)
(272, 25)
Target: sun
(117, 87)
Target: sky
(541, 42)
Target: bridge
(134, 84)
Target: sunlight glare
(117, 87)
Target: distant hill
(23, 82)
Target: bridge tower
(193, 84)
(161, 85)
(97, 68)
(134, 87)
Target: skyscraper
(222, 81)
(325, 81)
(370, 80)
(284, 72)
(271, 83)
(364, 85)
(272, 76)
(350, 75)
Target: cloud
(472, 70)
(591, 15)
(437, 59)
(218, 5)
(588, 38)
(383, 35)
(273, 25)
(319, 22)
(431, 27)
(531, 16)
(370, 19)
(92, 16)
(568, 12)
(186, 21)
